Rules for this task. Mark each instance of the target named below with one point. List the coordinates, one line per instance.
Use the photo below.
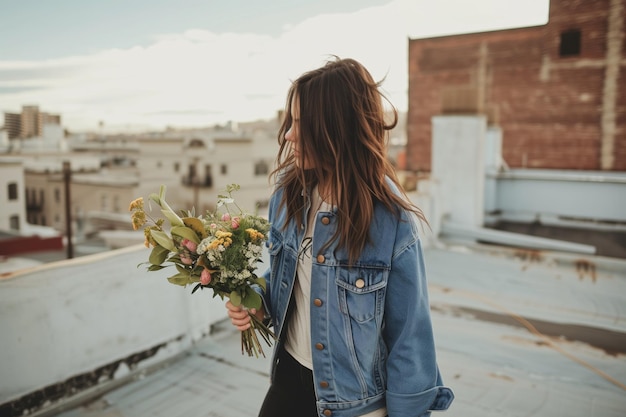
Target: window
(196, 143)
(191, 173)
(12, 190)
(208, 176)
(224, 169)
(176, 166)
(57, 195)
(261, 168)
(14, 222)
(570, 43)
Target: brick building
(557, 91)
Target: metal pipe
(67, 175)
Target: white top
(298, 342)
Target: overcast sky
(136, 64)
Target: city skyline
(185, 71)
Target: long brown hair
(342, 129)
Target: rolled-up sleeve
(414, 384)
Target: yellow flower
(138, 219)
(136, 204)
(149, 240)
(254, 234)
(221, 238)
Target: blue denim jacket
(371, 332)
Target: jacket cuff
(420, 404)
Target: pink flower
(189, 244)
(213, 225)
(235, 222)
(185, 259)
(205, 277)
(225, 217)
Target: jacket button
(317, 302)
(324, 384)
(325, 220)
(327, 413)
(319, 346)
(359, 283)
(321, 258)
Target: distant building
(107, 175)
(196, 168)
(557, 91)
(92, 191)
(29, 123)
(12, 124)
(109, 172)
(12, 199)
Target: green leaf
(155, 267)
(186, 269)
(165, 208)
(171, 216)
(155, 197)
(186, 233)
(163, 239)
(252, 299)
(158, 255)
(181, 279)
(197, 226)
(261, 283)
(235, 298)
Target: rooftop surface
(519, 333)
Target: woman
(346, 291)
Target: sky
(133, 65)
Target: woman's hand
(240, 317)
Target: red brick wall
(620, 134)
(549, 107)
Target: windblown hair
(342, 130)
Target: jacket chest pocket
(361, 291)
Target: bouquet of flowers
(218, 251)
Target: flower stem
(250, 342)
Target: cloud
(198, 78)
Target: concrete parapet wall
(92, 318)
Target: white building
(4, 141)
(108, 173)
(12, 199)
(196, 168)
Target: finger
(238, 314)
(241, 324)
(242, 328)
(239, 317)
(230, 306)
